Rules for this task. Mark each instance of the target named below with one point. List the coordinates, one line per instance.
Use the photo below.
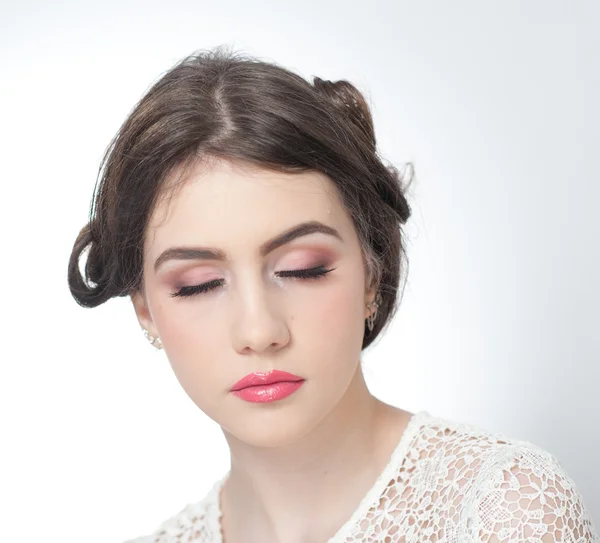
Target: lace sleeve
(529, 498)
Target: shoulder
(197, 521)
(465, 450)
(512, 490)
(528, 495)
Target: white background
(496, 103)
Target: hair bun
(349, 100)
(86, 294)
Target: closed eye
(311, 273)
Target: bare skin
(301, 465)
(304, 493)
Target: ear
(140, 305)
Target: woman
(247, 214)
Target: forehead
(219, 201)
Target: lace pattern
(529, 497)
(446, 482)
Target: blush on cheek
(332, 332)
(194, 346)
(336, 313)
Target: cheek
(194, 347)
(334, 322)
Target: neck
(273, 491)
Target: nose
(259, 326)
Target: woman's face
(255, 319)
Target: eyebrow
(208, 253)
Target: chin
(268, 438)
(271, 425)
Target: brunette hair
(227, 105)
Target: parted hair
(227, 105)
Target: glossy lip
(262, 378)
(268, 393)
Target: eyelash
(317, 272)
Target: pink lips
(261, 387)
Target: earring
(371, 318)
(154, 341)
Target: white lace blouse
(445, 482)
